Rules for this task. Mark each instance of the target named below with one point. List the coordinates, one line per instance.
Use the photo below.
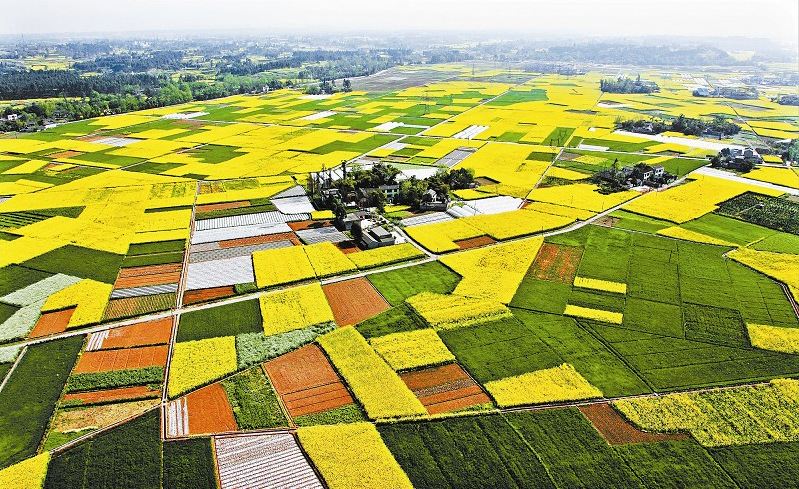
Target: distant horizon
(775, 20)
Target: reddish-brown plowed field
(65, 154)
(150, 270)
(618, 431)
(422, 379)
(222, 206)
(347, 246)
(52, 322)
(444, 388)
(300, 225)
(201, 295)
(128, 358)
(149, 279)
(306, 382)
(155, 332)
(269, 238)
(354, 300)
(556, 262)
(210, 411)
(137, 392)
(465, 244)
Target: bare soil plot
(52, 322)
(209, 411)
(269, 238)
(556, 262)
(156, 332)
(302, 225)
(607, 221)
(347, 247)
(150, 270)
(148, 279)
(128, 358)
(202, 295)
(618, 431)
(222, 206)
(65, 154)
(261, 461)
(354, 300)
(465, 244)
(307, 382)
(95, 397)
(444, 388)
(99, 416)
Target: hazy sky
(775, 19)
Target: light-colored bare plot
(263, 461)
(146, 290)
(238, 232)
(327, 234)
(488, 206)
(294, 205)
(233, 252)
(184, 115)
(469, 132)
(318, 115)
(115, 141)
(431, 218)
(272, 217)
(454, 157)
(218, 273)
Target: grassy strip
(158, 259)
(252, 348)
(254, 403)
(228, 320)
(189, 464)
(28, 399)
(156, 247)
(115, 378)
(344, 414)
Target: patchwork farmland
(180, 306)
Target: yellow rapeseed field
(380, 390)
(196, 363)
(411, 349)
(596, 314)
(352, 456)
(294, 308)
(453, 311)
(774, 338)
(28, 474)
(592, 283)
(743, 415)
(688, 235)
(556, 384)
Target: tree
(346, 85)
(376, 198)
(339, 211)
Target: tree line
(686, 125)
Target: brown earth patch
(202, 295)
(607, 221)
(147, 279)
(444, 388)
(51, 323)
(124, 393)
(269, 238)
(133, 306)
(465, 244)
(91, 138)
(222, 206)
(65, 154)
(123, 359)
(347, 247)
(156, 332)
(99, 416)
(556, 262)
(566, 156)
(354, 300)
(150, 270)
(307, 382)
(300, 225)
(618, 431)
(209, 411)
